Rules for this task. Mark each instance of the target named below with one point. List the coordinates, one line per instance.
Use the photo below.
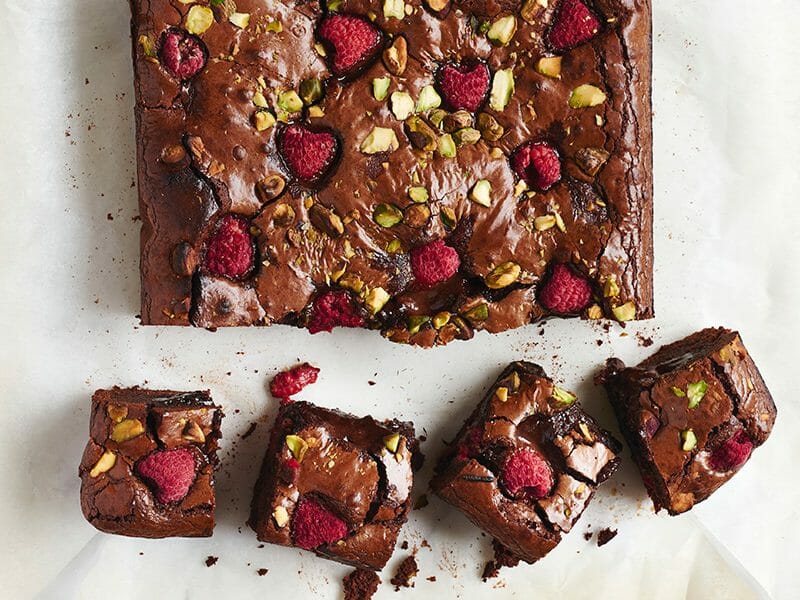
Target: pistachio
(428, 98)
(457, 120)
(222, 8)
(394, 246)
(148, 46)
(392, 442)
(490, 129)
(515, 381)
(586, 95)
(173, 155)
(352, 282)
(447, 146)
(198, 19)
(311, 90)
(297, 446)
(478, 313)
(283, 215)
(327, 221)
(380, 88)
(415, 323)
(380, 139)
(270, 187)
(501, 394)
(563, 396)
(437, 117)
(418, 194)
(502, 89)
(105, 463)
(481, 192)
(594, 312)
(116, 412)
(394, 9)
(625, 312)
(688, 440)
(466, 136)
(260, 100)
(402, 105)
(503, 275)
(395, 57)
(696, 392)
(240, 20)
(530, 9)
(417, 215)
(587, 435)
(290, 101)
(376, 299)
(421, 135)
(277, 27)
(610, 287)
(678, 392)
(502, 30)
(126, 429)
(263, 120)
(544, 222)
(591, 160)
(387, 215)
(448, 217)
(194, 433)
(549, 66)
(441, 319)
(559, 222)
(281, 516)
(437, 5)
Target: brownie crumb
(250, 430)
(361, 584)
(503, 557)
(404, 545)
(211, 561)
(587, 535)
(370, 382)
(432, 578)
(262, 572)
(605, 535)
(406, 571)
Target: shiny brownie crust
(211, 146)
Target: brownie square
(335, 484)
(692, 414)
(385, 165)
(526, 463)
(148, 468)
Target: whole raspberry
(574, 24)
(169, 472)
(538, 164)
(182, 54)
(230, 251)
(352, 41)
(464, 87)
(314, 525)
(287, 383)
(334, 309)
(308, 154)
(565, 292)
(732, 453)
(526, 473)
(434, 263)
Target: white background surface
(727, 100)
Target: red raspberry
(537, 163)
(287, 383)
(314, 525)
(434, 263)
(732, 453)
(170, 472)
(574, 24)
(353, 41)
(230, 250)
(471, 443)
(181, 53)
(293, 463)
(464, 87)
(334, 309)
(525, 472)
(565, 292)
(308, 155)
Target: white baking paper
(727, 99)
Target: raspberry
(353, 41)
(287, 383)
(334, 309)
(434, 263)
(308, 154)
(464, 87)
(574, 24)
(181, 53)
(537, 164)
(526, 472)
(170, 472)
(314, 525)
(471, 444)
(230, 250)
(566, 292)
(732, 453)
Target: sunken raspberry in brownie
(148, 469)
(526, 463)
(692, 414)
(335, 484)
(423, 168)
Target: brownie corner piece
(148, 468)
(335, 484)
(526, 463)
(692, 414)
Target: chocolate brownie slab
(148, 468)
(692, 414)
(426, 169)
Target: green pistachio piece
(428, 98)
(394, 246)
(466, 136)
(678, 392)
(387, 215)
(394, 9)
(290, 102)
(440, 319)
(415, 322)
(380, 139)
(199, 19)
(688, 440)
(610, 287)
(264, 120)
(563, 395)
(502, 30)
(625, 312)
(481, 193)
(503, 275)
(418, 194)
(392, 442)
(380, 88)
(696, 392)
(297, 446)
(586, 95)
(549, 66)
(240, 20)
(311, 90)
(447, 146)
(376, 299)
(502, 89)
(448, 217)
(490, 129)
(437, 116)
(402, 105)
(478, 313)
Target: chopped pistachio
(437, 5)
(428, 98)
(387, 215)
(559, 222)
(199, 19)
(394, 246)
(594, 312)
(587, 435)
(481, 192)
(281, 516)
(458, 120)
(334, 5)
(502, 89)
(503, 275)
(520, 188)
(392, 442)
(447, 146)
(563, 396)
(106, 461)
(277, 27)
(586, 95)
(610, 287)
(478, 313)
(549, 66)
(311, 90)
(320, 49)
(688, 440)
(544, 222)
(148, 46)
(466, 136)
(380, 139)
(315, 112)
(395, 57)
(530, 9)
(448, 217)
(241, 20)
(263, 120)
(418, 194)
(380, 88)
(490, 129)
(402, 105)
(501, 394)
(626, 312)
(117, 412)
(297, 446)
(678, 391)
(415, 322)
(259, 100)
(376, 299)
(394, 8)
(290, 102)
(437, 116)
(127, 430)
(591, 160)
(696, 392)
(502, 30)
(417, 215)
(440, 319)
